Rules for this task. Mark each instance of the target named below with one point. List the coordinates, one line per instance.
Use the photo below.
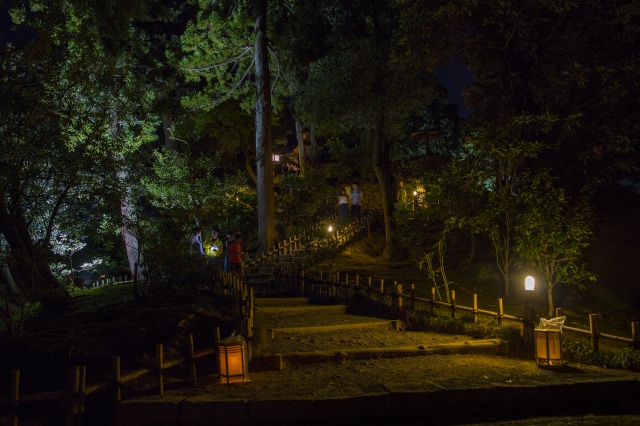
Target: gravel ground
(349, 378)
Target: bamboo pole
(192, 358)
(399, 299)
(346, 288)
(500, 312)
(216, 344)
(432, 302)
(15, 396)
(380, 295)
(413, 295)
(394, 298)
(160, 368)
(453, 304)
(117, 384)
(593, 328)
(73, 401)
(475, 307)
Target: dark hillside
(615, 253)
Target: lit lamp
(529, 311)
(232, 359)
(415, 200)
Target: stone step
(259, 277)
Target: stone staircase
(297, 331)
(280, 273)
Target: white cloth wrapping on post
(552, 324)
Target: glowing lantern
(549, 347)
(232, 359)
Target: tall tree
(59, 87)
(227, 51)
(553, 235)
(377, 90)
(576, 61)
(264, 162)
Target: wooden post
(243, 304)
(346, 288)
(160, 368)
(500, 311)
(380, 295)
(117, 383)
(453, 304)
(593, 326)
(15, 396)
(357, 289)
(432, 302)
(83, 386)
(413, 296)
(394, 298)
(558, 312)
(475, 307)
(74, 387)
(369, 289)
(399, 300)
(635, 334)
(192, 357)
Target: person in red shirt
(236, 254)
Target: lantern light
(529, 283)
(330, 229)
(232, 359)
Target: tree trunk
(248, 165)
(382, 168)
(472, 249)
(127, 209)
(167, 122)
(302, 154)
(552, 306)
(314, 147)
(264, 162)
(28, 265)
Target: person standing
(213, 244)
(227, 256)
(236, 256)
(195, 241)
(356, 200)
(343, 205)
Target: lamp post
(529, 311)
(415, 200)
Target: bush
(625, 359)
(422, 320)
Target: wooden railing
(389, 297)
(72, 400)
(317, 235)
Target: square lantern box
(232, 360)
(548, 347)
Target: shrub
(625, 359)
(422, 320)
